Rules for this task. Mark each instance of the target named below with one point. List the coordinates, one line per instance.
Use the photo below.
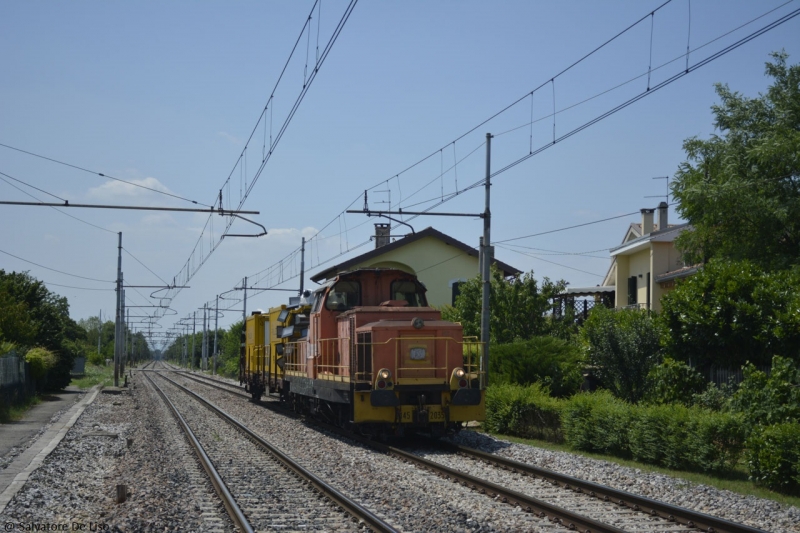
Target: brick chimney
(382, 234)
(647, 221)
(663, 216)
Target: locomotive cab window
(343, 296)
(410, 291)
(317, 301)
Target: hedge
(674, 436)
(524, 411)
(773, 456)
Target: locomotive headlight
(383, 379)
(458, 379)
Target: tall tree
(45, 316)
(518, 310)
(740, 189)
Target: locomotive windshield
(343, 296)
(410, 291)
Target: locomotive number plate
(418, 354)
(436, 414)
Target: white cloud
(230, 138)
(115, 190)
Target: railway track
(264, 490)
(625, 500)
(571, 502)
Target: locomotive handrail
(326, 353)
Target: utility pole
(216, 327)
(204, 351)
(243, 336)
(126, 338)
(99, 329)
(302, 264)
(117, 323)
(194, 334)
(485, 265)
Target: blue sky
(166, 95)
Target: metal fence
(576, 309)
(16, 383)
(732, 376)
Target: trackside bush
(41, 360)
(597, 422)
(773, 456)
(523, 411)
(554, 363)
(686, 438)
(622, 346)
(673, 382)
(674, 436)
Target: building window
(456, 290)
(632, 289)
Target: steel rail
(228, 501)
(681, 515)
(355, 509)
(207, 381)
(527, 503)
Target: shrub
(41, 360)
(673, 382)
(674, 436)
(523, 411)
(7, 348)
(623, 346)
(597, 422)
(97, 358)
(773, 456)
(552, 362)
(773, 399)
(714, 441)
(714, 398)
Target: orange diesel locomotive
(366, 350)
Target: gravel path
(125, 439)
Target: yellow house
(645, 266)
(439, 261)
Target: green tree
(673, 382)
(553, 363)
(740, 189)
(730, 313)
(622, 346)
(769, 399)
(519, 308)
(47, 316)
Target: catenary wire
(102, 175)
(59, 210)
(54, 270)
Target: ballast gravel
(77, 482)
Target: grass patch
(736, 481)
(94, 374)
(15, 413)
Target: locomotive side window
(410, 291)
(343, 296)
